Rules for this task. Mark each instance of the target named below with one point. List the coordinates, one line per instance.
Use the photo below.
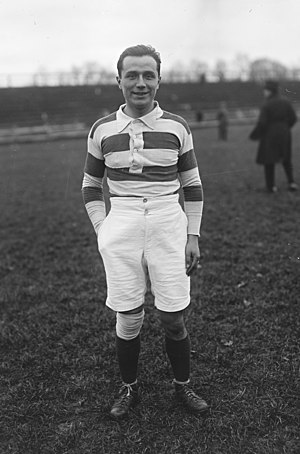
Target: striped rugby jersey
(150, 156)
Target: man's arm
(193, 200)
(92, 193)
(92, 185)
(192, 253)
(261, 125)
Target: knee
(173, 324)
(128, 325)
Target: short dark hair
(139, 51)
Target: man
(147, 154)
(222, 117)
(273, 130)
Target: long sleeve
(192, 186)
(92, 184)
(260, 128)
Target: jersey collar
(124, 120)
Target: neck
(136, 113)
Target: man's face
(267, 93)
(139, 82)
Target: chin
(141, 105)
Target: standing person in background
(222, 117)
(147, 154)
(273, 131)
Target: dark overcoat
(273, 130)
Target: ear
(159, 80)
(119, 82)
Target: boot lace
(124, 387)
(189, 393)
(125, 395)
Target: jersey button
(145, 200)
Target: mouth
(140, 94)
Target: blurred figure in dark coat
(222, 117)
(273, 131)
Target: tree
(75, 73)
(198, 70)
(241, 66)
(177, 73)
(220, 70)
(91, 73)
(41, 77)
(265, 68)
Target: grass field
(58, 369)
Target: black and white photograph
(149, 227)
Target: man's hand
(192, 254)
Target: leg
(177, 344)
(225, 133)
(120, 243)
(178, 350)
(288, 168)
(270, 177)
(171, 289)
(128, 343)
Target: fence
(49, 112)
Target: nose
(140, 81)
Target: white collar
(123, 120)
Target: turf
(58, 368)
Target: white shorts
(144, 237)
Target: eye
(131, 76)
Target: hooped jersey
(150, 156)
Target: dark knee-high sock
(179, 353)
(128, 355)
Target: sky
(59, 34)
